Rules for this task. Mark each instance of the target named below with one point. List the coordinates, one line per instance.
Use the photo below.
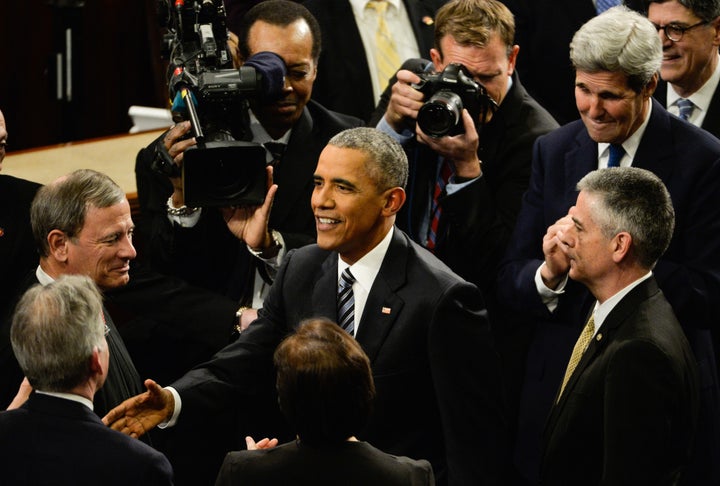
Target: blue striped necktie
(346, 302)
(686, 108)
(603, 5)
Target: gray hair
(618, 40)
(707, 10)
(388, 163)
(63, 204)
(54, 331)
(636, 201)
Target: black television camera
(207, 90)
(450, 91)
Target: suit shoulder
(331, 121)
(17, 188)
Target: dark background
(116, 63)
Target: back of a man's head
(281, 13)
(54, 331)
(618, 40)
(636, 201)
(63, 204)
(473, 22)
(324, 383)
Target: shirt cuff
(401, 138)
(549, 296)
(176, 412)
(275, 261)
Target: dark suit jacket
(208, 255)
(350, 463)
(426, 333)
(53, 441)
(629, 410)
(343, 81)
(543, 30)
(17, 246)
(122, 381)
(687, 159)
(477, 220)
(711, 123)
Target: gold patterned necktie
(387, 59)
(580, 347)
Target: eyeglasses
(675, 32)
(107, 330)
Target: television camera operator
(226, 246)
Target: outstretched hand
(141, 413)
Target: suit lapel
(711, 123)
(383, 305)
(656, 150)
(578, 162)
(324, 294)
(296, 164)
(606, 334)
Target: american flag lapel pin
(385, 310)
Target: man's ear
(650, 87)
(394, 200)
(436, 58)
(58, 242)
(622, 243)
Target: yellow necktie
(580, 347)
(387, 59)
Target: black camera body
(206, 89)
(447, 94)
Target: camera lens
(440, 114)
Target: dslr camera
(206, 89)
(447, 94)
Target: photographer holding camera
(471, 147)
(466, 182)
(195, 243)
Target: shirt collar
(359, 6)
(366, 268)
(702, 97)
(69, 396)
(631, 144)
(43, 277)
(260, 135)
(603, 310)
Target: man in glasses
(690, 71)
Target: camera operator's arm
(461, 149)
(175, 145)
(405, 101)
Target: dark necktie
(435, 208)
(346, 302)
(276, 150)
(686, 108)
(616, 154)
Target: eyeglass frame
(678, 28)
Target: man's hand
(261, 444)
(141, 413)
(460, 149)
(557, 264)
(250, 223)
(176, 146)
(405, 101)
